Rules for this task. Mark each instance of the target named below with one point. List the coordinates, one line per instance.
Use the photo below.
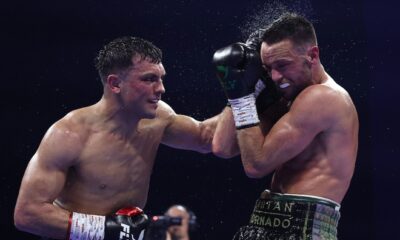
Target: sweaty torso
(325, 167)
(113, 170)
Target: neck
(115, 116)
(319, 74)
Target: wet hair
(117, 55)
(293, 27)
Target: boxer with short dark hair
(310, 145)
(90, 176)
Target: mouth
(154, 101)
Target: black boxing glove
(266, 93)
(125, 224)
(238, 69)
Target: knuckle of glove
(232, 55)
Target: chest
(109, 159)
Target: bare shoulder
(325, 106)
(165, 111)
(65, 138)
(324, 98)
(75, 125)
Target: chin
(150, 114)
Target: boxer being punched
(90, 175)
(310, 144)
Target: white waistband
(337, 205)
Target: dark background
(47, 51)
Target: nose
(159, 87)
(275, 75)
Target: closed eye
(281, 66)
(150, 78)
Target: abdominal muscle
(312, 173)
(308, 183)
(102, 203)
(105, 197)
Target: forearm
(225, 143)
(56, 223)
(256, 160)
(206, 134)
(44, 219)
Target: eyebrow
(151, 74)
(280, 61)
(283, 60)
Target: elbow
(251, 173)
(219, 152)
(254, 171)
(20, 221)
(23, 219)
(222, 149)
(223, 152)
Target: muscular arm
(225, 143)
(308, 116)
(184, 132)
(43, 180)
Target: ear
(113, 82)
(313, 53)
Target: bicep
(46, 173)
(296, 130)
(41, 182)
(287, 138)
(263, 154)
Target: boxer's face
(142, 87)
(288, 67)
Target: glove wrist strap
(244, 111)
(86, 227)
